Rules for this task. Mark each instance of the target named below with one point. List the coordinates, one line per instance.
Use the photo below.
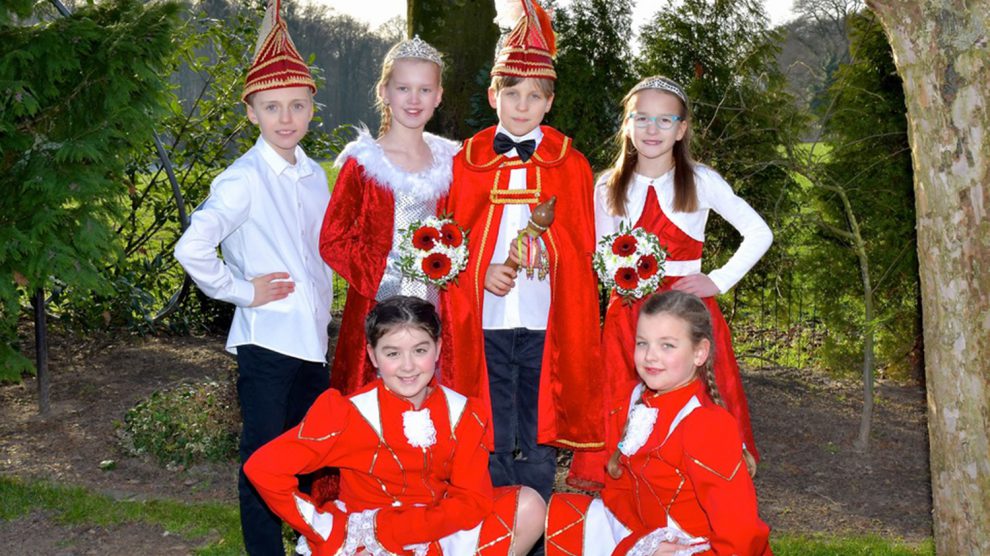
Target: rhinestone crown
(415, 48)
(662, 83)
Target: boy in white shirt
(265, 211)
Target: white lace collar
(427, 185)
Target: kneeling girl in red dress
(677, 480)
(413, 465)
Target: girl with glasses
(655, 185)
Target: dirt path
(810, 480)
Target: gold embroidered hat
(530, 47)
(276, 64)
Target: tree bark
(464, 31)
(942, 52)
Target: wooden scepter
(539, 222)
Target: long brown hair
(685, 192)
(694, 312)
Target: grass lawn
(77, 506)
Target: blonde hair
(384, 110)
(692, 310)
(685, 191)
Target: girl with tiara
(677, 481)
(413, 464)
(384, 185)
(655, 185)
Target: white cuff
(320, 522)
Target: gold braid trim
(716, 473)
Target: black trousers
(275, 392)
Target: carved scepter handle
(539, 222)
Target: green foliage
(593, 73)
(835, 545)
(870, 160)
(203, 133)
(79, 95)
(77, 506)
(185, 425)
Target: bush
(187, 424)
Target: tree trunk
(941, 51)
(466, 35)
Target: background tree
(466, 34)
(70, 118)
(593, 73)
(940, 49)
(814, 45)
(861, 199)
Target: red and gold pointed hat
(276, 64)
(530, 47)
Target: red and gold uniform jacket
(423, 494)
(691, 471)
(571, 381)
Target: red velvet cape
(570, 404)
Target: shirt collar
(279, 165)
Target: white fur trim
(428, 185)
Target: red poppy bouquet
(630, 262)
(434, 251)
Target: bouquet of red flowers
(433, 251)
(631, 262)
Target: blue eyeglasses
(663, 121)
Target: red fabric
(530, 47)
(566, 523)
(696, 476)
(423, 494)
(277, 64)
(355, 241)
(571, 382)
(618, 335)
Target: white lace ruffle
(361, 533)
(418, 549)
(647, 545)
(418, 428)
(639, 428)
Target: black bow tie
(504, 143)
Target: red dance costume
(372, 201)
(682, 235)
(687, 476)
(570, 400)
(412, 482)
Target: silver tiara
(662, 83)
(415, 48)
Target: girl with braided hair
(655, 185)
(677, 480)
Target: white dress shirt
(266, 215)
(527, 305)
(713, 194)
